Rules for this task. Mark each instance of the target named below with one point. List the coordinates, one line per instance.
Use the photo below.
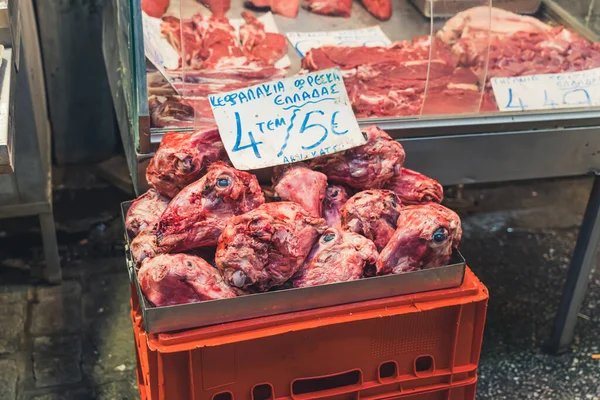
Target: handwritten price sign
(286, 121)
(304, 41)
(550, 91)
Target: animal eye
(239, 279)
(335, 193)
(223, 182)
(440, 235)
(328, 237)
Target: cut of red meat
(183, 158)
(265, 247)
(198, 214)
(217, 7)
(368, 166)
(257, 44)
(191, 48)
(144, 246)
(170, 112)
(425, 237)
(287, 8)
(144, 212)
(155, 8)
(335, 198)
(381, 9)
(337, 256)
(301, 185)
(412, 188)
(218, 39)
(336, 8)
(373, 214)
(170, 279)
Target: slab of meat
(415, 188)
(170, 112)
(336, 8)
(488, 21)
(182, 158)
(191, 47)
(144, 212)
(373, 214)
(264, 248)
(218, 7)
(218, 39)
(381, 9)
(258, 44)
(155, 8)
(337, 256)
(299, 184)
(287, 8)
(425, 237)
(144, 246)
(335, 198)
(388, 81)
(170, 279)
(198, 214)
(365, 167)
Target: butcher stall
(290, 157)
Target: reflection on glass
(436, 57)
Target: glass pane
(459, 44)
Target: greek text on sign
(549, 91)
(286, 121)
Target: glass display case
(460, 66)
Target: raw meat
(338, 256)
(388, 81)
(182, 158)
(218, 7)
(265, 247)
(155, 8)
(381, 9)
(336, 8)
(218, 40)
(415, 188)
(170, 279)
(198, 214)
(170, 112)
(373, 214)
(499, 43)
(287, 8)
(190, 48)
(144, 212)
(335, 198)
(425, 237)
(365, 167)
(301, 185)
(488, 21)
(144, 246)
(267, 47)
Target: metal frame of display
(480, 149)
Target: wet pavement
(74, 341)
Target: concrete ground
(74, 341)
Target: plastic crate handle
(317, 387)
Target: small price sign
(286, 121)
(548, 91)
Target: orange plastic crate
(421, 346)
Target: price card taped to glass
(548, 91)
(286, 121)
